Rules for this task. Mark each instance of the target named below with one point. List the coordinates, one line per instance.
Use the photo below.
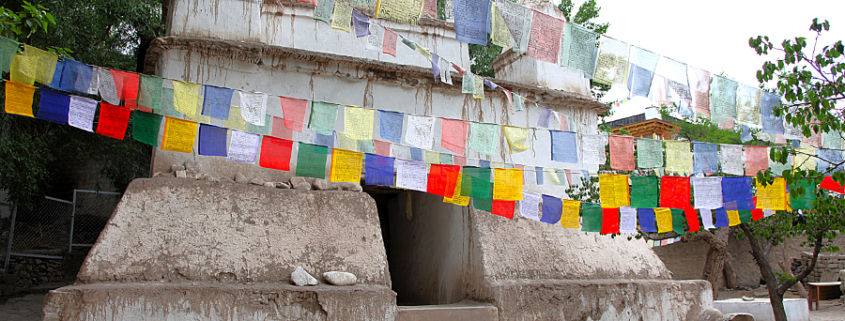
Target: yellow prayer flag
(179, 135)
(346, 166)
(424, 51)
(33, 65)
(185, 97)
(479, 87)
(456, 198)
(19, 98)
(431, 157)
(342, 16)
(235, 121)
(500, 35)
(346, 142)
(497, 165)
(733, 218)
(359, 123)
(551, 176)
(773, 196)
(678, 157)
(571, 214)
(198, 116)
(613, 190)
(664, 219)
(517, 137)
(507, 184)
(402, 11)
(804, 158)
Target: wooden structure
(822, 291)
(652, 128)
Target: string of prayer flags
(613, 190)
(579, 44)
(644, 191)
(472, 18)
(622, 153)
(483, 137)
(507, 185)
(150, 91)
(185, 96)
(678, 157)
(678, 220)
(145, 127)
(359, 123)
(564, 146)
(378, 170)
(646, 219)
(275, 153)
(53, 106)
(737, 190)
(113, 121)
(342, 17)
(254, 108)
(456, 197)
(707, 192)
(772, 196)
(243, 147)
(33, 65)
(76, 76)
(552, 209)
(453, 135)
(663, 216)
(178, 135)
(675, 192)
(401, 11)
(530, 204)
(705, 157)
(570, 216)
(611, 62)
(324, 9)
(8, 49)
(591, 220)
(212, 140)
(544, 39)
(19, 98)
(592, 148)
(649, 153)
(731, 159)
(323, 117)
(627, 220)
(411, 175)
(420, 132)
(442, 179)
(503, 208)
(517, 18)
(346, 166)
(610, 221)
(803, 201)
(756, 160)
(217, 101)
(311, 160)
(517, 138)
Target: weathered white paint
(761, 309)
(216, 19)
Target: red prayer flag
(610, 221)
(126, 84)
(756, 159)
(568, 177)
(382, 148)
(459, 160)
(622, 153)
(829, 184)
(294, 112)
(275, 153)
(389, 42)
(674, 192)
(692, 219)
(280, 130)
(503, 208)
(439, 178)
(453, 135)
(113, 120)
(756, 214)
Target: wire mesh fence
(92, 210)
(5, 230)
(43, 230)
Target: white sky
(713, 35)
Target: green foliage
(24, 23)
(587, 11)
(482, 58)
(586, 192)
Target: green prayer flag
(644, 191)
(649, 153)
(679, 219)
(167, 108)
(149, 95)
(8, 49)
(468, 83)
(745, 216)
(483, 204)
(145, 127)
(311, 161)
(591, 217)
(466, 184)
(323, 117)
(366, 146)
(804, 202)
(484, 137)
(481, 183)
(261, 130)
(445, 159)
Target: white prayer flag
(81, 113)
(420, 131)
(707, 218)
(253, 107)
(627, 220)
(708, 192)
(731, 159)
(243, 147)
(411, 175)
(529, 206)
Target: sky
(713, 35)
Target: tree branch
(817, 246)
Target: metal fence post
(72, 219)
(9, 244)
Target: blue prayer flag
(705, 157)
(212, 140)
(57, 75)
(483, 163)
(646, 218)
(564, 146)
(324, 140)
(416, 154)
(552, 209)
(217, 101)
(378, 170)
(721, 217)
(53, 106)
(540, 174)
(76, 76)
(390, 125)
(472, 21)
(828, 157)
(738, 189)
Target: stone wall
(827, 267)
(26, 273)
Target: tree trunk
(775, 297)
(730, 275)
(717, 256)
(802, 292)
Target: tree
(108, 33)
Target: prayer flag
(552, 209)
(592, 148)
(591, 217)
(53, 106)
(417, 154)
(453, 135)
(217, 101)
(803, 201)
(178, 135)
(33, 65)
(707, 218)
(389, 42)
(579, 44)
(678, 220)
(402, 11)
(508, 184)
(80, 112)
(756, 214)
(517, 138)
(731, 159)
(483, 137)
(564, 146)
(431, 157)
(275, 153)
(610, 221)
(481, 184)
(113, 121)
(664, 219)
(737, 190)
(483, 204)
(76, 76)
(442, 179)
(678, 157)
(692, 219)
(733, 218)
(456, 197)
(420, 132)
(649, 153)
(478, 93)
(127, 87)
(545, 115)
(279, 130)
(723, 99)
(613, 190)
(675, 192)
(472, 18)
(644, 191)
(382, 148)
(8, 49)
(571, 214)
(627, 220)
(772, 196)
(311, 160)
(346, 166)
(145, 127)
(323, 117)
(529, 205)
(212, 140)
(722, 217)
(708, 192)
(243, 147)
(411, 175)
(390, 125)
(324, 9)
(378, 170)
(254, 108)
(185, 97)
(294, 112)
(500, 35)
(771, 124)
(503, 208)
(342, 16)
(19, 98)
(150, 92)
(646, 219)
(366, 146)
(805, 158)
(622, 153)
(611, 62)
(167, 106)
(359, 123)
(545, 35)
(706, 157)
(361, 24)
